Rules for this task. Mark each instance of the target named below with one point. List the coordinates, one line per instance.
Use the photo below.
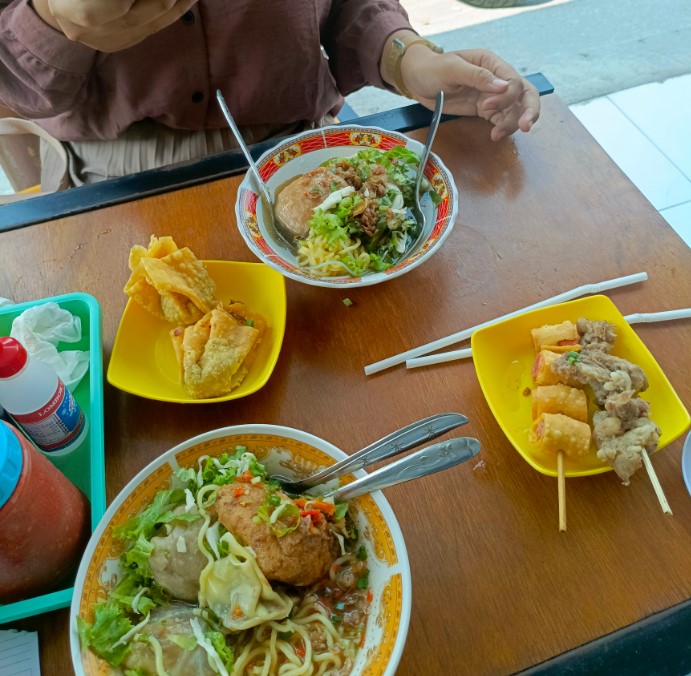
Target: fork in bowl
(436, 116)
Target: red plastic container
(44, 520)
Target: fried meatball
(300, 557)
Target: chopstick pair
(636, 318)
(466, 333)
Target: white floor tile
(655, 176)
(662, 110)
(679, 218)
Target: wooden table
(496, 587)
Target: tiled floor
(646, 131)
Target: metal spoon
(431, 132)
(392, 444)
(435, 458)
(267, 202)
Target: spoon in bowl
(431, 133)
(271, 221)
(435, 458)
(392, 444)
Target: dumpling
(171, 628)
(235, 588)
(176, 560)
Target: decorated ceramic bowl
(281, 450)
(307, 151)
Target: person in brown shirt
(106, 76)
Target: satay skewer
(561, 488)
(656, 483)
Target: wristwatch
(395, 53)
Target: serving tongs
(389, 446)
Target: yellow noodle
(323, 259)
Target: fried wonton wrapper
(215, 353)
(555, 337)
(570, 401)
(551, 433)
(541, 370)
(169, 282)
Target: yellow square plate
(503, 355)
(143, 361)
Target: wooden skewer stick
(561, 488)
(656, 483)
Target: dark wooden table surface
(496, 587)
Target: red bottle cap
(12, 357)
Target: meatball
(300, 557)
(296, 200)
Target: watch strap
(399, 46)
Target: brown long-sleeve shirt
(264, 55)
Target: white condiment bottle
(38, 401)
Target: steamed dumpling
(176, 560)
(170, 626)
(238, 592)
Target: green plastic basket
(85, 467)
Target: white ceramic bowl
(389, 577)
(308, 150)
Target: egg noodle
(241, 623)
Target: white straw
(440, 358)
(463, 335)
(647, 317)
(638, 318)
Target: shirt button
(197, 97)
(187, 18)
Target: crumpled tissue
(40, 328)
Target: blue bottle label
(57, 424)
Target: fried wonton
(215, 353)
(169, 282)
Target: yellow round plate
(280, 449)
(143, 361)
(503, 354)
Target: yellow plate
(143, 361)
(503, 355)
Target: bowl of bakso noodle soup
(204, 565)
(343, 199)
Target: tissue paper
(40, 328)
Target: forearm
(42, 73)
(355, 38)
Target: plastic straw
(466, 333)
(647, 317)
(465, 353)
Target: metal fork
(392, 444)
(431, 132)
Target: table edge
(52, 206)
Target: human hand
(475, 82)
(110, 25)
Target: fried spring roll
(553, 432)
(541, 370)
(564, 334)
(560, 399)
